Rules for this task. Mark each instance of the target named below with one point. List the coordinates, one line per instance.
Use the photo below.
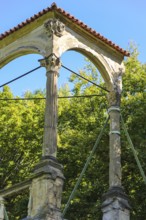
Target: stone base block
(115, 205)
(46, 191)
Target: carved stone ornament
(114, 95)
(52, 63)
(54, 26)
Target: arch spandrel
(36, 42)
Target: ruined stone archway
(51, 33)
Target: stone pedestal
(115, 205)
(46, 191)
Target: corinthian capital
(54, 26)
(52, 63)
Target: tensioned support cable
(133, 150)
(85, 78)
(43, 98)
(85, 167)
(20, 76)
(63, 67)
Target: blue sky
(121, 21)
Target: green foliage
(134, 113)
(21, 130)
(78, 127)
(79, 123)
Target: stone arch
(106, 60)
(22, 65)
(21, 48)
(103, 69)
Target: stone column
(48, 179)
(2, 209)
(115, 175)
(115, 202)
(52, 64)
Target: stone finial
(54, 5)
(54, 26)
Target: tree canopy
(79, 123)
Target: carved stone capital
(114, 95)
(52, 63)
(54, 26)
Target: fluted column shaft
(52, 64)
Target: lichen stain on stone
(113, 125)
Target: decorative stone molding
(54, 26)
(44, 35)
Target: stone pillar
(48, 179)
(52, 64)
(115, 202)
(2, 209)
(115, 175)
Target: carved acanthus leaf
(54, 26)
(52, 63)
